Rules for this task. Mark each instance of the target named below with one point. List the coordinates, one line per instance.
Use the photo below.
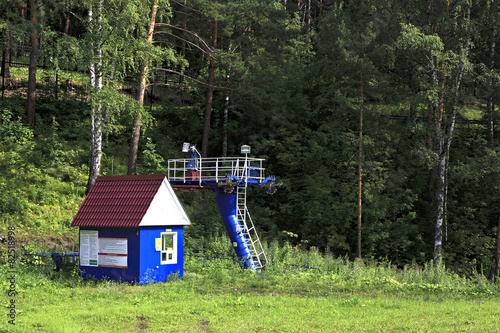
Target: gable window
(168, 248)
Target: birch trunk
(432, 137)
(96, 112)
(442, 170)
(444, 138)
(96, 145)
(440, 199)
(144, 72)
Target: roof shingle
(118, 201)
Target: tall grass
(366, 274)
(288, 262)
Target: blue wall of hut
(150, 266)
(129, 274)
(143, 261)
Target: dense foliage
(291, 79)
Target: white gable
(165, 209)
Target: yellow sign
(157, 244)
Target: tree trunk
(32, 65)
(360, 162)
(442, 172)
(183, 53)
(440, 199)
(444, 138)
(96, 145)
(144, 71)
(309, 19)
(6, 55)
(96, 116)
(433, 136)
(496, 257)
(67, 22)
(225, 123)
(134, 147)
(414, 91)
(490, 105)
(437, 178)
(210, 96)
(67, 18)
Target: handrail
(215, 169)
(211, 256)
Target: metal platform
(229, 178)
(214, 174)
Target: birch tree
(457, 61)
(110, 58)
(442, 56)
(96, 76)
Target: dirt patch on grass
(203, 325)
(141, 323)
(64, 243)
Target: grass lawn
(215, 300)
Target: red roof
(118, 201)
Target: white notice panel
(116, 261)
(113, 252)
(113, 245)
(88, 247)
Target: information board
(103, 251)
(113, 252)
(89, 247)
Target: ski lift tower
(229, 178)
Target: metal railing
(253, 241)
(58, 259)
(53, 258)
(215, 169)
(209, 258)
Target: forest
(378, 117)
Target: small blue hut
(131, 230)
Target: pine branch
(208, 48)
(201, 83)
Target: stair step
(248, 229)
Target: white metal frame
(173, 252)
(216, 169)
(256, 249)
